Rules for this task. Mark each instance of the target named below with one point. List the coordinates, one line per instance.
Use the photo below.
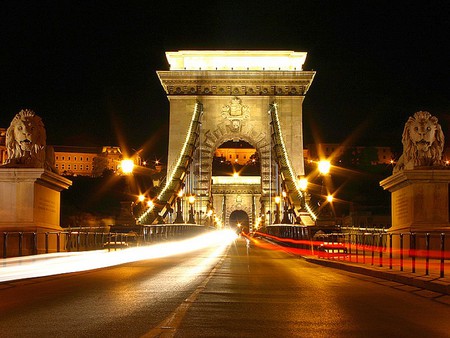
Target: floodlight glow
(324, 167)
(303, 183)
(150, 204)
(141, 198)
(277, 199)
(236, 60)
(127, 166)
(191, 199)
(330, 198)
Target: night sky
(88, 68)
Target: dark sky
(88, 68)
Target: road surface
(248, 289)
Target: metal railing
(23, 243)
(425, 253)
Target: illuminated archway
(239, 220)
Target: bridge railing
(426, 253)
(24, 243)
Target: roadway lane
(250, 292)
(121, 301)
(268, 293)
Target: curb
(418, 281)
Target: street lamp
(286, 219)
(324, 167)
(303, 184)
(191, 209)
(277, 210)
(179, 218)
(127, 166)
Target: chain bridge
(222, 96)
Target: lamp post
(179, 218)
(277, 210)
(286, 219)
(191, 219)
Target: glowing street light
(303, 184)
(324, 167)
(150, 204)
(141, 198)
(191, 209)
(330, 198)
(127, 166)
(179, 218)
(277, 210)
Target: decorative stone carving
(423, 142)
(26, 143)
(235, 113)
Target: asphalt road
(253, 289)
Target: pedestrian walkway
(430, 282)
(420, 279)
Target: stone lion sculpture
(423, 142)
(26, 143)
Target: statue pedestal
(30, 202)
(420, 200)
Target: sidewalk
(431, 282)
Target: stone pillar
(30, 202)
(420, 200)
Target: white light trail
(67, 262)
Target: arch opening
(236, 157)
(239, 221)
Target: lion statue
(423, 142)
(25, 143)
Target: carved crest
(235, 113)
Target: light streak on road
(67, 262)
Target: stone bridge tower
(236, 89)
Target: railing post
(427, 258)
(373, 248)
(20, 243)
(364, 247)
(413, 252)
(442, 255)
(349, 247)
(34, 239)
(401, 252)
(356, 247)
(380, 248)
(58, 241)
(390, 251)
(69, 241)
(46, 242)
(5, 245)
(78, 240)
